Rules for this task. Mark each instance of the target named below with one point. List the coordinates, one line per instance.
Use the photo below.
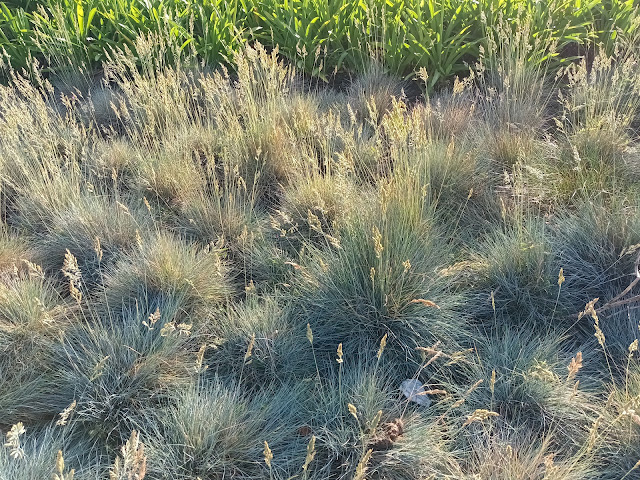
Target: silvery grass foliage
(229, 275)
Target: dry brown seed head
(435, 391)
(426, 303)
(377, 242)
(97, 247)
(574, 366)
(70, 267)
(383, 344)
(200, 359)
(249, 351)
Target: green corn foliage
(319, 37)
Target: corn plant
(307, 29)
(429, 34)
(15, 36)
(219, 29)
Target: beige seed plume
(64, 415)
(34, 269)
(123, 207)
(268, 454)
(60, 462)
(59, 466)
(167, 329)
(549, 462)
(433, 350)
(589, 309)
(311, 453)
(599, 335)
(353, 410)
(361, 469)
(13, 441)
(97, 247)
(479, 415)
(59, 473)
(184, 329)
(75, 293)
(309, 334)
(407, 265)
(575, 388)
(132, 461)
(153, 319)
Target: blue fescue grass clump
(163, 268)
(527, 382)
(383, 280)
(360, 409)
(40, 451)
(215, 430)
(514, 277)
(257, 340)
(116, 368)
